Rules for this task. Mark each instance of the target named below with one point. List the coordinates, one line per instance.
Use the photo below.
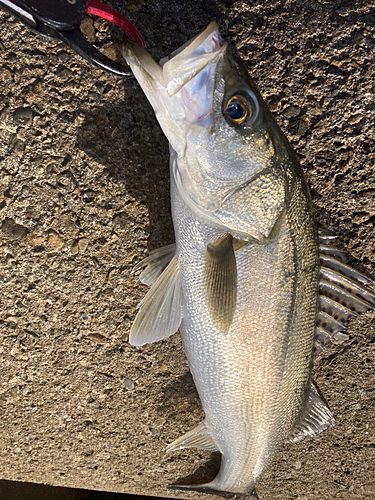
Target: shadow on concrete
(13, 490)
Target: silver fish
(242, 282)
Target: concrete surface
(84, 192)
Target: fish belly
(252, 380)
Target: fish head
(227, 152)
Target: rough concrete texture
(85, 192)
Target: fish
(250, 283)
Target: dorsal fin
(314, 418)
(343, 293)
(335, 264)
(335, 252)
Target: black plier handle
(61, 19)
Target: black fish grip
(61, 19)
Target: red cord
(100, 9)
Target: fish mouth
(181, 93)
(180, 89)
(192, 58)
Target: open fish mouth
(191, 72)
(181, 93)
(180, 89)
(189, 92)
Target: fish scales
(242, 282)
(254, 372)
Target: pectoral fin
(220, 282)
(160, 312)
(196, 438)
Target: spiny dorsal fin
(336, 310)
(343, 293)
(220, 282)
(326, 239)
(196, 438)
(335, 264)
(315, 417)
(160, 312)
(333, 251)
(349, 285)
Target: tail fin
(205, 488)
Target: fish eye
(237, 109)
(242, 108)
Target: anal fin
(314, 418)
(196, 438)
